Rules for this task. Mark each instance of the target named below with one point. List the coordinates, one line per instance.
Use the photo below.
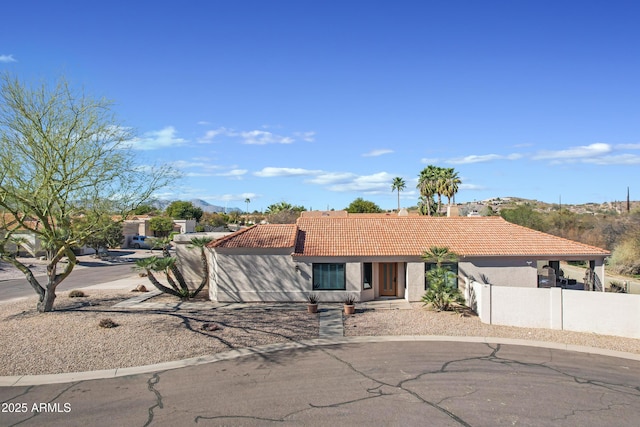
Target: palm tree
(450, 185)
(439, 255)
(427, 184)
(442, 292)
(247, 201)
(399, 185)
(440, 185)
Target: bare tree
(65, 162)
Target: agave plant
(166, 266)
(201, 243)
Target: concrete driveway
(369, 383)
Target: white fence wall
(555, 308)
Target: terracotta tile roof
(314, 214)
(411, 236)
(259, 236)
(345, 214)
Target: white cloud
(483, 158)
(575, 153)
(153, 140)
(429, 161)
(335, 181)
(270, 172)
(199, 174)
(327, 178)
(234, 173)
(370, 184)
(7, 58)
(262, 137)
(627, 147)
(472, 187)
(234, 197)
(211, 134)
(183, 164)
(305, 136)
(376, 153)
(256, 137)
(618, 159)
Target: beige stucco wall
(31, 245)
(415, 281)
(515, 272)
(188, 257)
(274, 275)
(258, 275)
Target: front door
(388, 279)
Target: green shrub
(625, 258)
(441, 295)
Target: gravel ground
(420, 321)
(70, 340)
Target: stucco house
(377, 256)
(139, 225)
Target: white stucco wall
(557, 308)
(601, 313)
(525, 307)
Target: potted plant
(312, 305)
(349, 304)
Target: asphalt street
(385, 383)
(79, 278)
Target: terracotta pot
(312, 308)
(349, 309)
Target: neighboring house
(139, 226)
(30, 242)
(380, 255)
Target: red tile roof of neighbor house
(405, 236)
(260, 236)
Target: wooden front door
(388, 279)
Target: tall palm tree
(441, 185)
(451, 184)
(427, 185)
(247, 201)
(399, 185)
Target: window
(367, 274)
(452, 273)
(328, 277)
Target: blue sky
(319, 102)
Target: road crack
(151, 386)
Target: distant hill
(199, 203)
(208, 207)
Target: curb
(30, 380)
